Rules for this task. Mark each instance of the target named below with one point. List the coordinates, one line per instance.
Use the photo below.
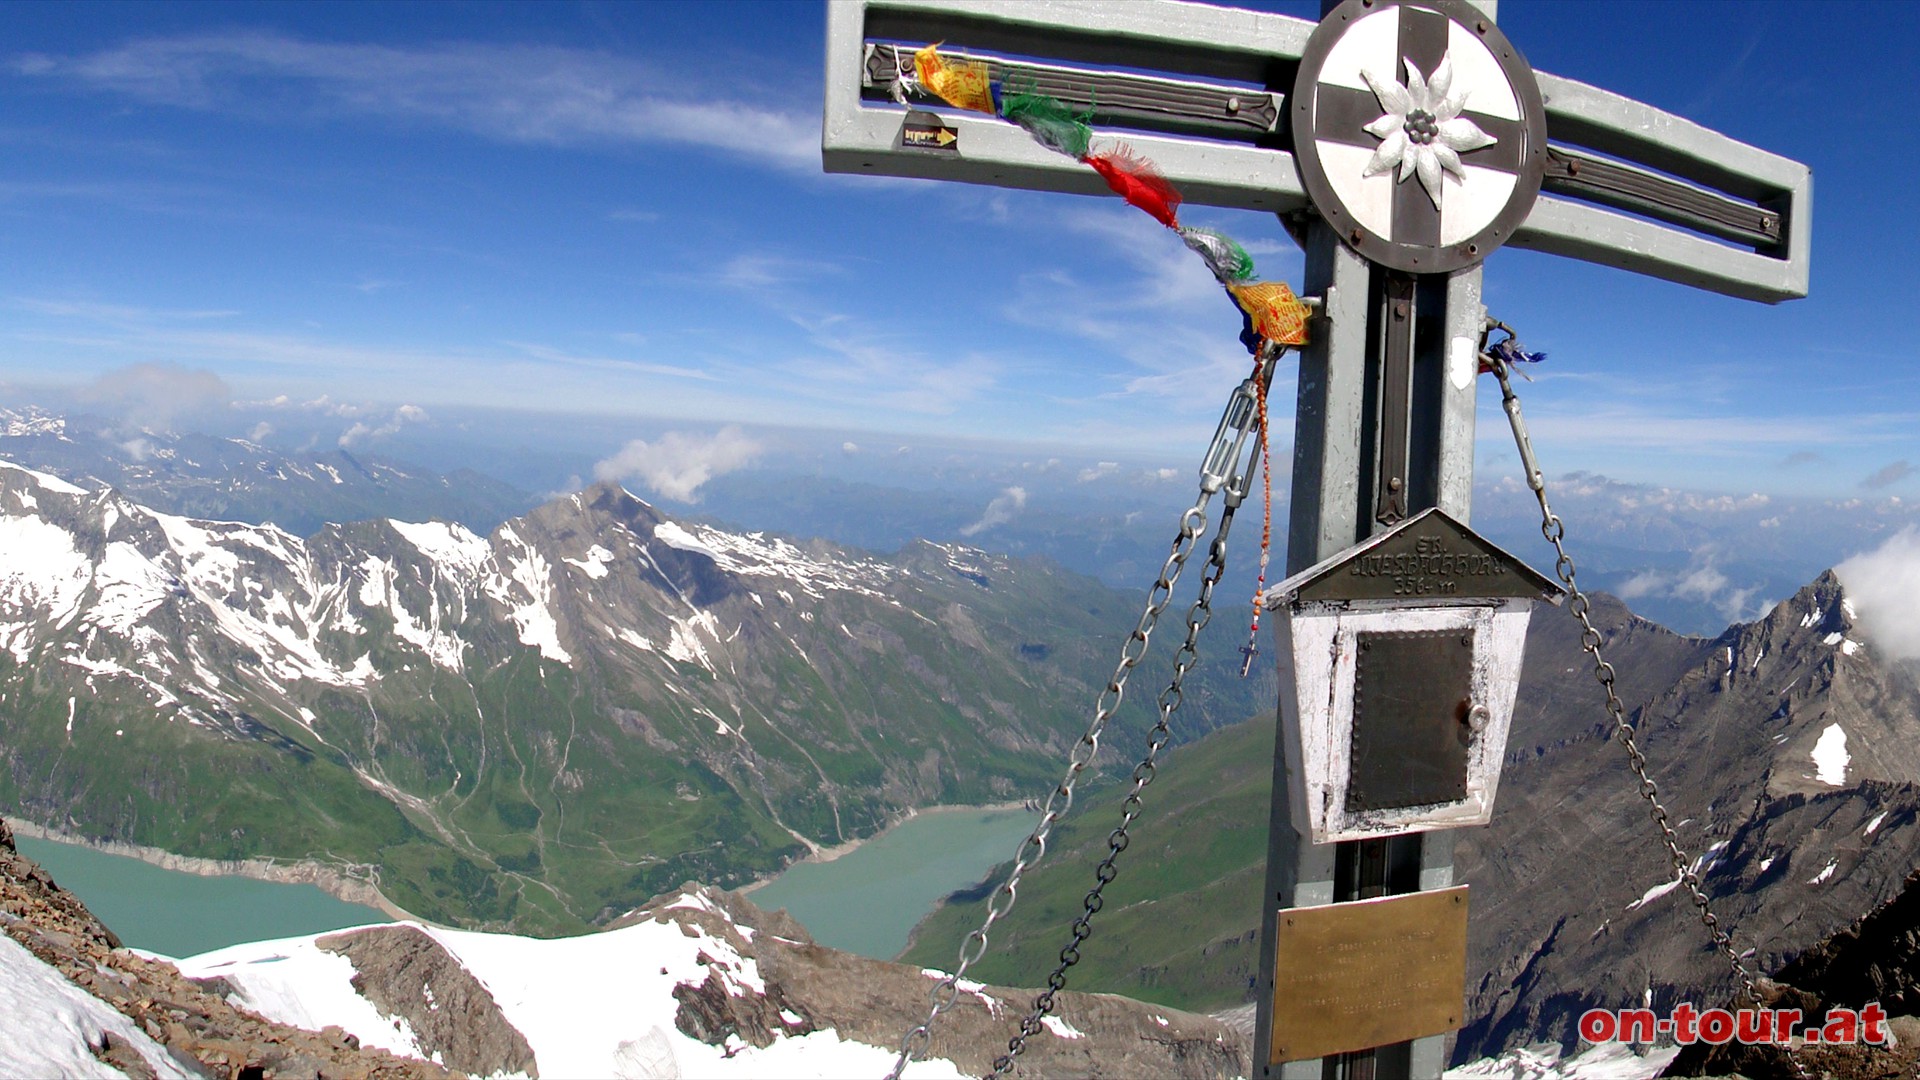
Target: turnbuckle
(1221, 469)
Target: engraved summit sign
(1428, 555)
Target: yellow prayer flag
(963, 84)
(1277, 314)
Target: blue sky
(619, 209)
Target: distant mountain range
(1786, 749)
(538, 728)
(231, 479)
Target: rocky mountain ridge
(1786, 752)
(539, 727)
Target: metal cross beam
(1702, 209)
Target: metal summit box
(1399, 663)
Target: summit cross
(1400, 142)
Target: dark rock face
(1785, 751)
(193, 1022)
(406, 974)
(1875, 960)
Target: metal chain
(1623, 730)
(1184, 659)
(1218, 470)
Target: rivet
(1233, 104)
(1473, 249)
(1481, 26)
(1394, 484)
(1355, 235)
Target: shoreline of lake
(327, 879)
(868, 900)
(847, 847)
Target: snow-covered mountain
(540, 727)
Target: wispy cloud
(760, 270)
(362, 431)
(998, 512)
(852, 363)
(511, 93)
(151, 397)
(1888, 475)
(1652, 428)
(678, 464)
(551, 355)
(119, 314)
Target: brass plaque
(1369, 973)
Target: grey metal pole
(1338, 425)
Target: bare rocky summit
(193, 1022)
(875, 1001)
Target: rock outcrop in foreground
(178, 1027)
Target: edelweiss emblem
(1422, 131)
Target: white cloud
(849, 448)
(1701, 581)
(999, 511)
(1884, 585)
(511, 93)
(150, 397)
(1098, 471)
(678, 463)
(402, 416)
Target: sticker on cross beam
(924, 130)
(1419, 132)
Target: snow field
(596, 1005)
(51, 1025)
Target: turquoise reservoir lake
(179, 914)
(868, 900)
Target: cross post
(1400, 142)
